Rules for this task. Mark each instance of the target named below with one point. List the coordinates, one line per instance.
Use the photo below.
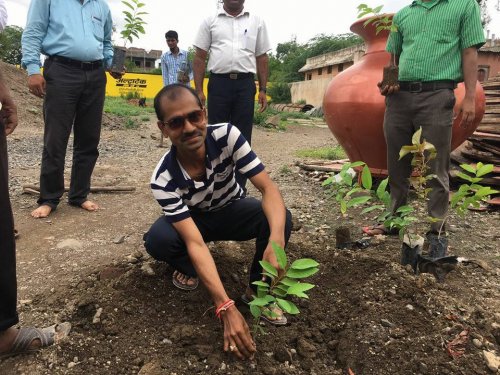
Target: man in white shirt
(238, 44)
(28, 339)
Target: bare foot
(89, 206)
(41, 211)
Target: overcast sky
(284, 18)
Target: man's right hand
(8, 111)
(387, 89)
(237, 337)
(36, 85)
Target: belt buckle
(415, 87)
(86, 65)
(233, 75)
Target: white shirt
(233, 42)
(3, 15)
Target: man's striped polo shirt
(430, 38)
(227, 151)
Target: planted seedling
(277, 287)
(381, 22)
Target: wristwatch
(262, 89)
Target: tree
(10, 45)
(291, 56)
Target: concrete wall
(490, 60)
(310, 91)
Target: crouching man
(195, 184)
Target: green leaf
(343, 207)
(268, 267)
(357, 201)
(469, 168)
(287, 306)
(128, 4)
(256, 311)
(280, 292)
(304, 263)
(372, 208)
(382, 187)
(415, 139)
(405, 150)
(485, 169)
(404, 209)
(464, 176)
(261, 283)
(366, 178)
(302, 273)
(288, 282)
(356, 164)
(259, 302)
(280, 254)
(299, 289)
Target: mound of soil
(367, 313)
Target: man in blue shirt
(75, 35)
(175, 64)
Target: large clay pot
(354, 108)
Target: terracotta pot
(354, 108)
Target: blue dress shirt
(171, 63)
(67, 28)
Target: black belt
(419, 86)
(83, 65)
(233, 75)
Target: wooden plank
(484, 135)
(495, 150)
(483, 156)
(492, 110)
(488, 128)
(491, 92)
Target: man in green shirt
(435, 47)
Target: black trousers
(232, 100)
(74, 100)
(8, 284)
(240, 221)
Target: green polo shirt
(430, 37)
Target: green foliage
(283, 284)
(131, 95)
(120, 107)
(472, 194)
(328, 153)
(10, 45)
(134, 24)
(280, 92)
(291, 56)
(349, 191)
(130, 123)
(380, 21)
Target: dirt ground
(367, 314)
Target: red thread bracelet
(223, 307)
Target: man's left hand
(468, 111)
(262, 101)
(116, 75)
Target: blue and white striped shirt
(171, 64)
(227, 151)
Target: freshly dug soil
(367, 313)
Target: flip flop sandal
(182, 286)
(47, 337)
(275, 322)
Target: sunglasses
(195, 118)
